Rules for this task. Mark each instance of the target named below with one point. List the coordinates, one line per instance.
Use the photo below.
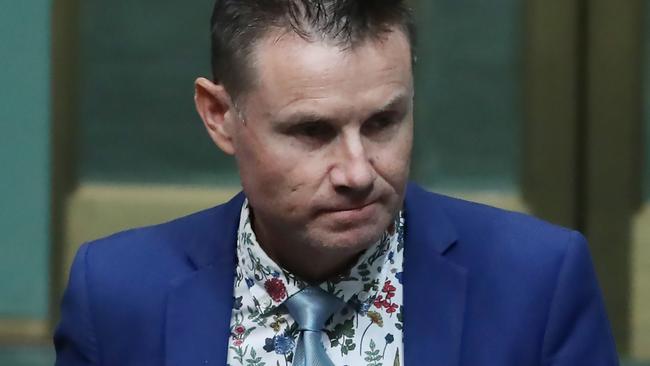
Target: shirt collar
(270, 285)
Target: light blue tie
(311, 308)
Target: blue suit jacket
(483, 286)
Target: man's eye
(314, 130)
(379, 124)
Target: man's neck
(311, 263)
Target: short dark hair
(236, 26)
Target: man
(329, 256)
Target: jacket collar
(199, 304)
(434, 286)
(214, 235)
(427, 219)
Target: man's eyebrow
(301, 117)
(396, 102)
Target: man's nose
(354, 169)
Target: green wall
(469, 94)
(138, 63)
(646, 104)
(24, 158)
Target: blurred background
(538, 106)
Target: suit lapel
(199, 304)
(434, 286)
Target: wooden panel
(552, 98)
(640, 286)
(613, 149)
(63, 135)
(640, 251)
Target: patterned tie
(311, 308)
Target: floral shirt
(368, 331)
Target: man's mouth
(351, 207)
(352, 212)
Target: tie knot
(311, 307)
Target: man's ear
(216, 110)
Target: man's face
(324, 141)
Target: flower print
(254, 360)
(275, 326)
(280, 344)
(388, 287)
(399, 275)
(372, 356)
(400, 318)
(391, 308)
(386, 303)
(249, 282)
(269, 344)
(283, 344)
(379, 302)
(389, 339)
(375, 317)
(382, 302)
(239, 334)
(391, 257)
(237, 302)
(277, 321)
(343, 336)
(363, 308)
(276, 289)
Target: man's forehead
(288, 66)
(285, 40)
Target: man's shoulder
(462, 210)
(481, 228)
(521, 277)
(158, 239)
(126, 278)
(508, 252)
(482, 216)
(162, 248)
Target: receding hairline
(276, 34)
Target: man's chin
(351, 241)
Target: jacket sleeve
(74, 339)
(578, 332)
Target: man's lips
(343, 208)
(349, 212)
